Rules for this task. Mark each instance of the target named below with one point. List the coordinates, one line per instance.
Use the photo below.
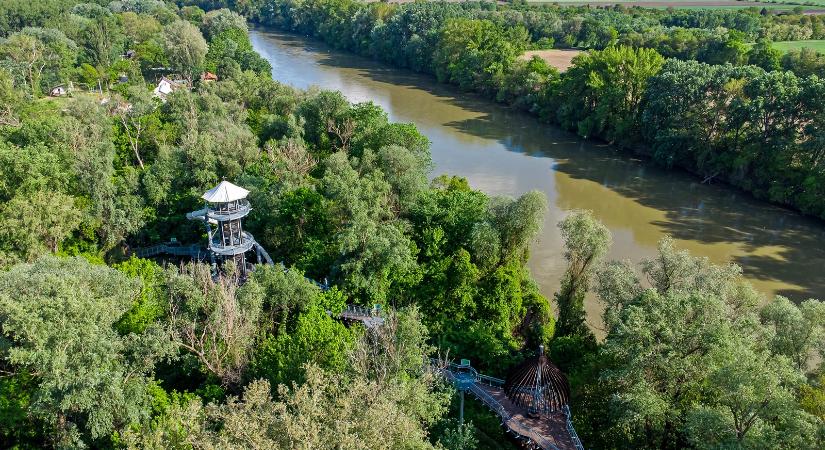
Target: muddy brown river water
(505, 152)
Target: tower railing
(216, 246)
(223, 215)
(231, 207)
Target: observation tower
(225, 207)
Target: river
(506, 152)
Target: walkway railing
(359, 311)
(573, 435)
(491, 381)
(491, 402)
(514, 425)
(370, 317)
(193, 251)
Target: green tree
(150, 305)
(115, 209)
(10, 99)
(749, 400)
(798, 331)
(133, 114)
(383, 400)
(214, 320)
(43, 56)
(327, 412)
(462, 437)
(518, 222)
(690, 362)
(586, 242)
(812, 397)
(601, 94)
(232, 47)
(37, 223)
(58, 318)
(185, 47)
(301, 328)
(475, 54)
(314, 337)
(375, 253)
(99, 34)
(218, 21)
(763, 54)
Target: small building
(208, 76)
(58, 91)
(166, 86)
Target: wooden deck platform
(552, 431)
(548, 431)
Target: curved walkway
(549, 431)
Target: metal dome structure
(538, 385)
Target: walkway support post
(461, 410)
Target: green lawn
(791, 45)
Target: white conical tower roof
(225, 192)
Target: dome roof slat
(538, 385)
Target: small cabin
(166, 86)
(208, 76)
(58, 91)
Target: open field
(559, 58)
(793, 45)
(816, 6)
(811, 6)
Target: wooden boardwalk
(367, 316)
(552, 431)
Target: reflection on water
(505, 152)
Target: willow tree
(185, 47)
(688, 362)
(586, 241)
(58, 321)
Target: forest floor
(559, 58)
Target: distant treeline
(759, 130)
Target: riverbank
(506, 152)
(621, 95)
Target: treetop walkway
(548, 431)
(369, 317)
(197, 252)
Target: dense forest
(700, 90)
(102, 349)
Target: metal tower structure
(225, 207)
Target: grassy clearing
(561, 59)
(698, 4)
(793, 45)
